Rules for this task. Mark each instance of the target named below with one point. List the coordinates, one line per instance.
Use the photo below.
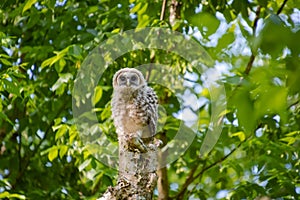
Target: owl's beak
(128, 82)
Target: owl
(134, 108)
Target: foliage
(254, 44)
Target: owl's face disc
(128, 79)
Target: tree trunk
(162, 173)
(174, 12)
(137, 173)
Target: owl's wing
(152, 110)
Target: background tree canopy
(254, 45)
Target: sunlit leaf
(28, 5)
(241, 135)
(53, 153)
(97, 94)
(63, 78)
(61, 131)
(63, 149)
(84, 164)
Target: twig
(26, 161)
(249, 65)
(193, 177)
(163, 10)
(257, 14)
(281, 7)
(252, 57)
(293, 104)
(188, 181)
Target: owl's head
(128, 77)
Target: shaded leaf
(206, 22)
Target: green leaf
(4, 116)
(97, 94)
(50, 61)
(136, 8)
(245, 110)
(239, 134)
(289, 140)
(271, 100)
(225, 40)
(63, 78)
(72, 135)
(12, 86)
(206, 22)
(6, 194)
(84, 164)
(60, 66)
(28, 5)
(75, 51)
(54, 59)
(269, 43)
(5, 62)
(61, 131)
(293, 133)
(143, 21)
(53, 153)
(106, 113)
(143, 9)
(63, 149)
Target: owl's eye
(133, 78)
(122, 78)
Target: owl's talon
(136, 143)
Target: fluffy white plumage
(134, 107)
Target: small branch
(193, 177)
(257, 14)
(148, 74)
(188, 181)
(26, 161)
(163, 10)
(281, 7)
(293, 104)
(249, 65)
(19, 151)
(252, 57)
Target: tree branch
(249, 65)
(281, 7)
(188, 181)
(252, 57)
(163, 10)
(191, 178)
(26, 161)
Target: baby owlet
(134, 108)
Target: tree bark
(174, 12)
(162, 172)
(137, 173)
